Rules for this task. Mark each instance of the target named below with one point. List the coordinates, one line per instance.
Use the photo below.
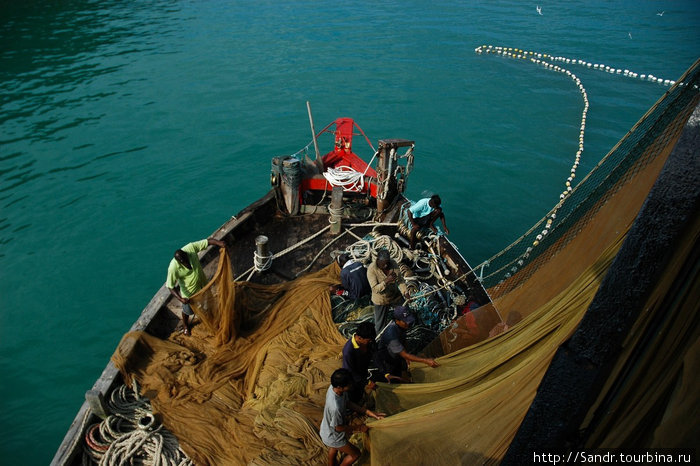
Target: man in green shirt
(186, 277)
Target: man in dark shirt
(358, 354)
(392, 357)
(353, 277)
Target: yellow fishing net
(258, 398)
(467, 410)
(248, 386)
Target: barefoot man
(186, 277)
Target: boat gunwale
(67, 451)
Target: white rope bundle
(346, 177)
(130, 435)
(155, 447)
(365, 250)
(334, 214)
(360, 250)
(125, 401)
(261, 263)
(386, 242)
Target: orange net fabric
(258, 398)
(248, 386)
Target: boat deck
(299, 244)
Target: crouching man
(334, 429)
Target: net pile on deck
(249, 385)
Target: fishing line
(547, 61)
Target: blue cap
(402, 313)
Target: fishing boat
(315, 209)
(551, 343)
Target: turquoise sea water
(130, 128)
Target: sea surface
(130, 128)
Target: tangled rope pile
(435, 303)
(131, 435)
(365, 249)
(347, 177)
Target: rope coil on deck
(131, 435)
(346, 177)
(435, 304)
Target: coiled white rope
(125, 401)
(142, 446)
(334, 214)
(261, 263)
(360, 250)
(346, 177)
(131, 435)
(387, 242)
(366, 250)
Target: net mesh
(248, 387)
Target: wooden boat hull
(161, 317)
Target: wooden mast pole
(318, 161)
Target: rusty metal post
(336, 209)
(382, 202)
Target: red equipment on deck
(342, 158)
(298, 179)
